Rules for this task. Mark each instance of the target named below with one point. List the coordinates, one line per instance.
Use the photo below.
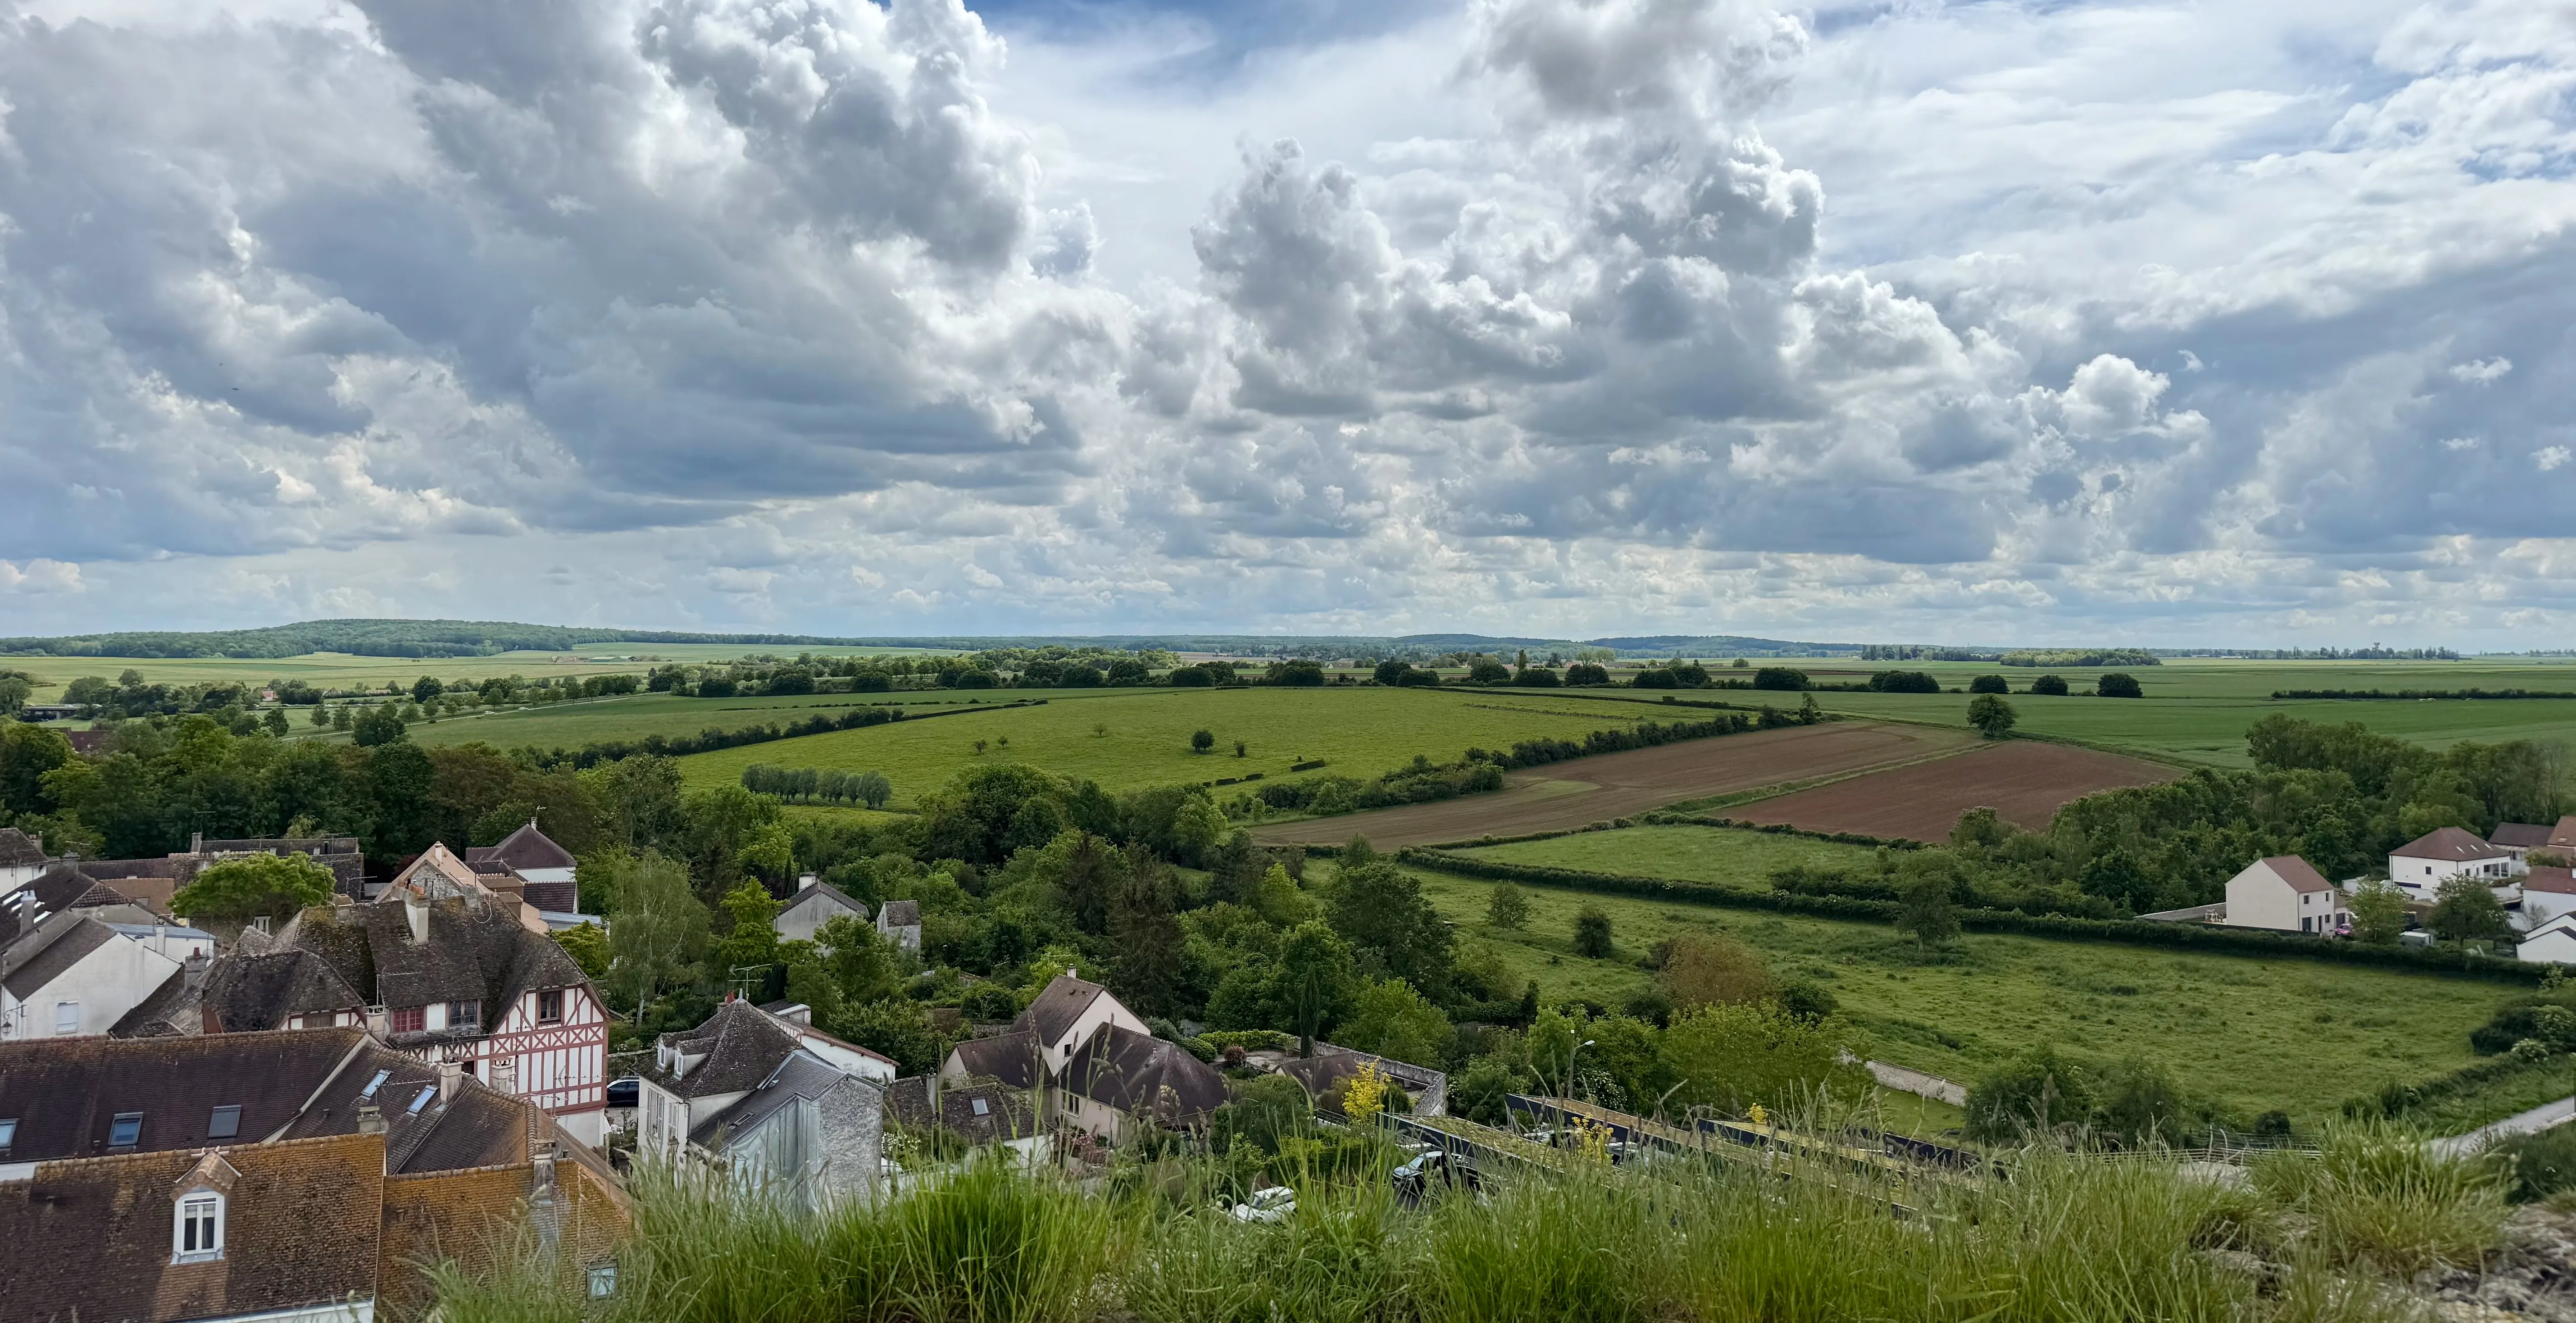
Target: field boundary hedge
(2418, 695)
(2123, 932)
(712, 739)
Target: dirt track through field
(1615, 785)
(2024, 781)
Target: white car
(1270, 1205)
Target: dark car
(621, 1093)
(1434, 1171)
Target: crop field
(1597, 789)
(572, 724)
(1125, 738)
(2024, 781)
(1720, 856)
(2246, 1034)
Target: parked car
(1432, 1171)
(622, 1093)
(1268, 1205)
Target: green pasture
(576, 722)
(2211, 730)
(1739, 860)
(2247, 1034)
(1124, 738)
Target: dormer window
(410, 1019)
(198, 1235)
(550, 1007)
(464, 1015)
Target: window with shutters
(410, 1019)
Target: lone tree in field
(1989, 684)
(1201, 741)
(1923, 908)
(1592, 933)
(1992, 716)
(1509, 908)
(2049, 684)
(2116, 685)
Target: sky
(2150, 323)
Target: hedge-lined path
(1573, 794)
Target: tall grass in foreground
(2055, 1239)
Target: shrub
(1989, 684)
(1536, 677)
(1201, 741)
(1898, 682)
(2542, 1164)
(1508, 908)
(2049, 684)
(1780, 677)
(1712, 969)
(2379, 1195)
(2116, 685)
(2036, 1094)
(1299, 673)
(1587, 673)
(1485, 670)
(1592, 932)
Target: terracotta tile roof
(2451, 844)
(90, 1238)
(1143, 1075)
(524, 849)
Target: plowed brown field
(1614, 785)
(2024, 781)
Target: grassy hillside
(1135, 737)
(2249, 1034)
(1740, 859)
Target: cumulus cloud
(1928, 322)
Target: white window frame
(196, 1207)
(66, 1019)
(602, 1280)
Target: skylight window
(374, 1084)
(126, 1130)
(8, 1132)
(982, 1108)
(426, 1093)
(224, 1124)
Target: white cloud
(1973, 322)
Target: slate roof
(2519, 835)
(552, 897)
(1011, 1058)
(1053, 1012)
(522, 850)
(248, 991)
(800, 1074)
(70, 886)
(741, 1046)
(2299, 873)
(1006, 1114)
(2451, 844)
(91, 1238)
(477, 951)
(900, 914)
(148, 882)
(18, 849)
(174, 1008)
(1144, 1076)
(822, 891)
(56, 945)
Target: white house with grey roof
(815, 903)
(780, 1107)
(2286, 894)
(900, 921)
(74, 976)
(2422, 865)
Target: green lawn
(1743, 860)
(2247, 1034)
(1124, 738)
(572, 724)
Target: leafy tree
(1202, 740)
(426, 688)
(1276, 898)
(1485, 670)
(321, 716)
(1379, 909)
(749, 940)
(638, 798)
(26, 754)
(340, 718)
(1153, 959)
(2049, 684)
(1780, 677)
(1992, 716)
(1315, 979)
(986, 812)
(274, 722)
(2378, 912)
(1392, 1020)
(236, 890)
(2116, 685)
(1989, 684)
(725, 825)
(2465, 910)
(2038, 1092)
(1482, 1091)
(1713, 969)
(587, 944)
(899, 1029)
(858, 959)
(2140, 1104)
(1509, 907)
(380, 723)
(1923, 908)
(1730, 1057)
(658, 933)
(1592, 932)
(1391, 672)
(1263, 1112)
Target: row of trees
(808, 785)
